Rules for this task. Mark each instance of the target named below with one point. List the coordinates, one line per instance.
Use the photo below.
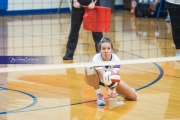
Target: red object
(97, 19)
(115, 77)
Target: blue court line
(56, 106)
(161, 72)
(34, 99)
(0, 87)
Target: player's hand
(76, 4)
(91, 5)
(112, 92)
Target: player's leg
(92, 79)
(127, 91)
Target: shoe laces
(100, 96)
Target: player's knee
(132, 97)
(135, 96)
(91, 71)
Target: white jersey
(98, 58)
(174, 1)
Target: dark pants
(174, 12)
(76, 21)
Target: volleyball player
(94, 75)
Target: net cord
(84, 64)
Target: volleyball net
(29, 34)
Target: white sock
(98, 91)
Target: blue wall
(3, 4)
(29, 7)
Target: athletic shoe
(100, 100)
(67, 57)
(178, 54)
(168, 18)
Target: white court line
(84, 64)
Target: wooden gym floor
(63, 95)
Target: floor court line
(34, 101)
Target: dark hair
(105, 40)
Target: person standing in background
(173, 7)
(76, 21)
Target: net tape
(84, 64)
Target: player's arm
(117, 66)
(100, 70)
(111, 91)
